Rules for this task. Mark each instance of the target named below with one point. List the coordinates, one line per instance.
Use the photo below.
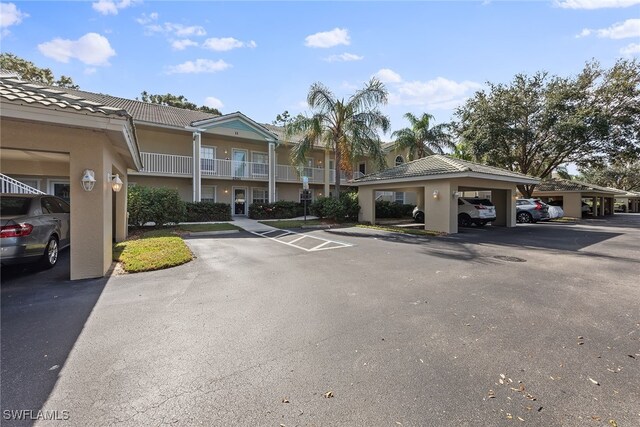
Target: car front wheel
(524, 217)
(50, 256)
(420, 217)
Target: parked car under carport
(34, 228)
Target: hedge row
(386, 209)
(277, 210)
(163, 206)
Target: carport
(47, 133)
(438, 181)
(631, 201)
(572, 194)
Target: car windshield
(12, 206)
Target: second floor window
(208, 158)
(260, 163)
(399, 160)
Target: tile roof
(559, 184)
(140, 111)
(19, 91)
(438, 164)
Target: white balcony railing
(171, 164)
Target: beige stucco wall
(183, 185)
(166, 141)
(91, 212)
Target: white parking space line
(325, 244)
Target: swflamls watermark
(31, 415)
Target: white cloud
(147, 19)
(110, 7)
(344, 57)
(226, 43)
(182, 44)
(595, 4)
(213, 102)
(437, 94)
(631, 50)
(91, 49)
(386, 75)
(10, 15)
(325, 39)
(199, 66)
(619, 30)
(90, 70)
(177, 30)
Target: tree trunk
(336, 194)
(526, 190)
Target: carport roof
(559, 184)
(442, 166)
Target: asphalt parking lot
(537, 325)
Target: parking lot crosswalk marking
(318, 243)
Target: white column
(197, 173)
(272, 172)
(327, 174)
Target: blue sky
(261, 57)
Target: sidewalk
(251, 225)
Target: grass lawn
(402, 230)
(298, 223)
(151, 251)
(565, 219)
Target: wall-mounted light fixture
(116, 182)
(456, 194)
(436, 194)
(226, 191)
(88, 179)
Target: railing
(10, 185)
(169, 164)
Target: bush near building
(277, 210)
(207, 211)
(385, 209)
(345, 208)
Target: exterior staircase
(10, 185)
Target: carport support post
(121, 214)
(441, 208)
(602, 207)
(197, 181)
(594, 209)
(367, 203)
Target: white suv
(470, 211)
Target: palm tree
(350, 127)
(421, 140)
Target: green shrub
(385, 209)
(344, 209)
(207, 211)
(277, 210)
(158, 205)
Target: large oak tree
(537, 123)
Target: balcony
(173, 165)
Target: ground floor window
(399, 197)
(31, 182)
(208, 193)
(60, 188)
(260, 195)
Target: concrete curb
(211, 233)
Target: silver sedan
(34, 228)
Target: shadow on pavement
(43, 313)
